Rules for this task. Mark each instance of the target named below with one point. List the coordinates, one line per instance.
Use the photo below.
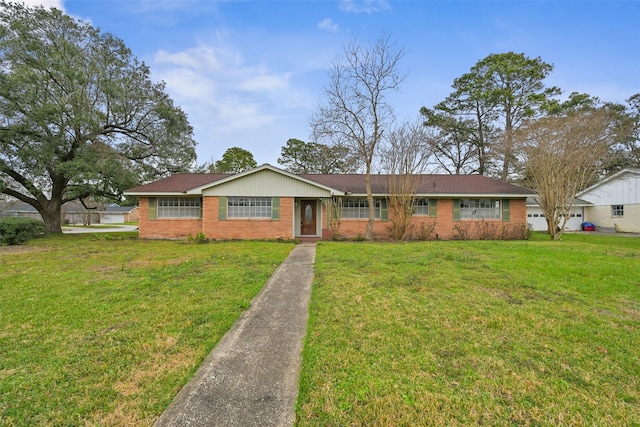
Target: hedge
(16, 231)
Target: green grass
(104, 330)
(467, 333)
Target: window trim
(362, 208)
(165, 209)
(617, 211)
(481, 212)
(422, 203)
(253, 207)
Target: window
(249, 207)
(480, 209)
(617, 210)
(359, 208)
(421, 207)
(179, 207)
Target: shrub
(425, 231)
(15, 231)
(198, 238)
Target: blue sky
(250, 73)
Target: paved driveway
(99, 229)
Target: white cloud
(328, 25)
(48, 4)
(265, 83)
(200, 58)
(225, 95)
(364, 6)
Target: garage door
(537, 221)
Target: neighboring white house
(537, 222)
(615, 202)
(114, 214)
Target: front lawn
(474, 333)
(105, 329)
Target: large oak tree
(79, 115)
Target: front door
(308, 214)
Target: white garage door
(112, 218)
(537, 221)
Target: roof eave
(450, 195)
(154, 193)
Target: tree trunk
(508, 151)
(555, 232)
(367, 180)
(51, 215)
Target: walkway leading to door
(251, 376)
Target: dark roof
(427, 184)
(20, 207)
(114, 209)
(354, 184)
(179, 183)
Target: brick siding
(445, 227)
(235, 228)
(212, 227)
(165, 228)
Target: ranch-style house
(269, 203)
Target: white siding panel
(622, 191)
(266, 183)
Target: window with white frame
(617, 210)
(359, 208)
(480, 209)
(421, 207)
(179, 207)
(249, 207)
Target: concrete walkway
(251, 376)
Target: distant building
(75, 213)
(615, 202)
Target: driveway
(107, 228)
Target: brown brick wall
(247, 228)
(165, 228)
(212, 227)
(445, 227)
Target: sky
(250, 73)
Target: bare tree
(357, 111)
(562, 157)
(406, 155)
(333, 207)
